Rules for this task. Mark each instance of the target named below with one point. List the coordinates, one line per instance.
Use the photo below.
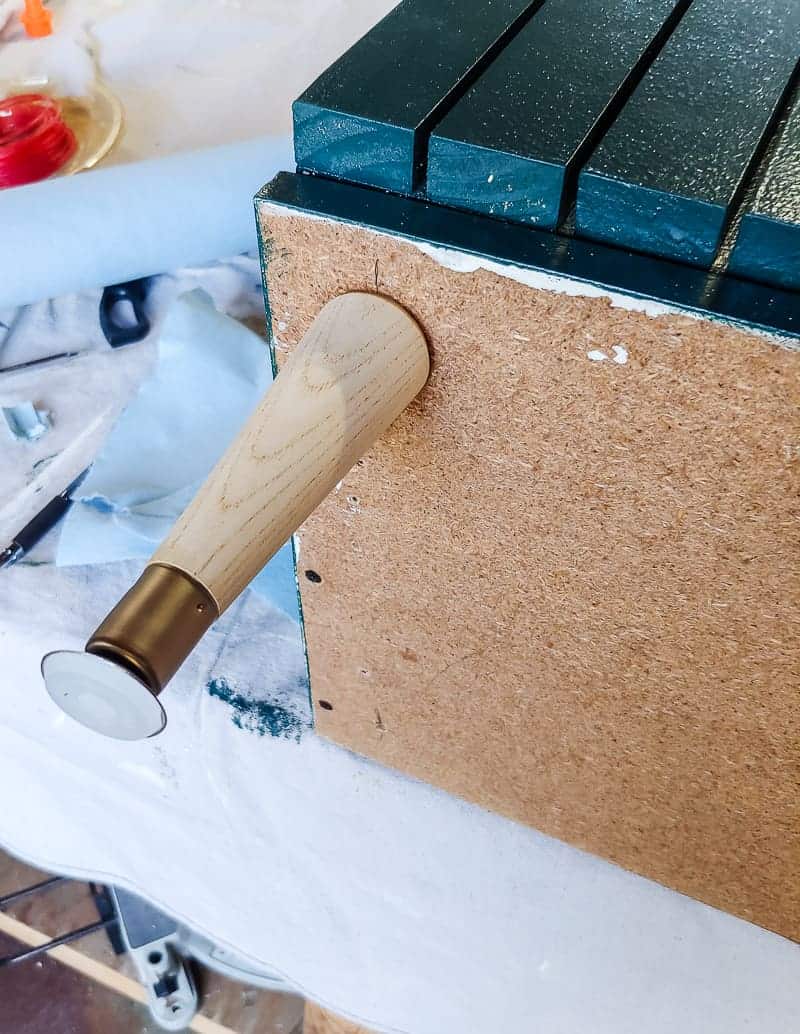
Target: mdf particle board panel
(512, 144)
(567, 587)
(670, 171)
(365, 117)
(768, 244)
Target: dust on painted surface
(259, 716)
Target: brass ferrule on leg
(156, 625)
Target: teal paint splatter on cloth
(259, 716)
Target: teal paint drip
(259, 716)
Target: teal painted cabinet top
(365, 118)
(662, 127)
(667, 175)
(508, 146)
(768, 244)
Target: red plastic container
(35, 141)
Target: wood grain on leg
(360, 364)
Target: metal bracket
(151, 938)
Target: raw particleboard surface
(568, 589)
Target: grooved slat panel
(366, 117)
(669, 172)
(768, 245)
(509, 144)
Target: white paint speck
(281, 325)
(620, 356)
(490, 178)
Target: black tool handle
(46, 519)
(38, 526)
(124, 334)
